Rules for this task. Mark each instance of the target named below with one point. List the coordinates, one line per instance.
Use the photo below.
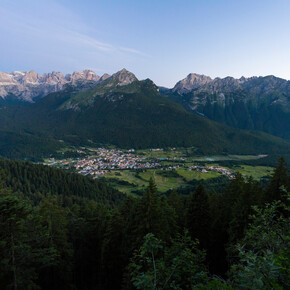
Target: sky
(163, 40)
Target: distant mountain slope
(129, 113)
(257, 103)
(27, 87)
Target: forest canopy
(59, 230)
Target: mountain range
(120, 110)
(29, 86)
(256, 103)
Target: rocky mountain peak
(242, 80)
(87, 75)
(191, 82)
(104, 77)
(52, 78)
(90, 75)
(30, 77)
(122, 78)
(6, 78)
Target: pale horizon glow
(162, 40)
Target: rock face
(255, 103)
(112, 88)
(121, 78)
(30, 86)
(201, 90)
(267, 90)
(104, 77)
(192, 81)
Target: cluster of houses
(112, 159)
(205, 169)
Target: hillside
(37, 181)
(125, 112)
(257, 103)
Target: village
(112, 159)
(100, 161)
(103, 160)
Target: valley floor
(130, 170)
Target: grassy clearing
(215, 158)
(170, 154)
(255, 171)
(190, 174)
(163, 182)
(125, 181)
(65, 149)
(139, 181)
(247, 157)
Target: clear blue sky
(163, 40)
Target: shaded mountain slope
(129, 113)
(257, 103)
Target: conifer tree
(113, 258)
(23, 247)
(53, 217)
(279, 179)
(176, 202)
(148, 211)
(153, 215)
(198, 218)
(241, 209)
(87, 225)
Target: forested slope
(36, 181)
(54, 241)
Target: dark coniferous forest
(59, 230)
